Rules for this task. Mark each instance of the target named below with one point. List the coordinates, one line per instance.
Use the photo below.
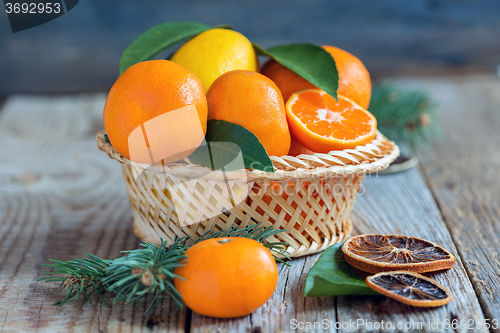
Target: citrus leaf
(331, 275)
(261, 51)
(309, 61)
(159, 38)
(231, 147)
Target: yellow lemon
(215, 52)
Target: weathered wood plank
(402, 204)
(462, 171)
(63, 197)
(399, 203)
(60, 197)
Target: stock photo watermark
(369, 325)
(26, 14)
(162, 160)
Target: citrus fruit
(227, 277)
(410, 288)
(381, 253)
(251, 100)
(354, 79)
(215, 52)
(297, 148)
(323, 124)
(156, 112)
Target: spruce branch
(144, 272)
(405, 116)
(257, 232)
(80, 276)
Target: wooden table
(61, 197)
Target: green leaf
(261, 51)
(231, 147)
(331, 275)
(309, 61)
(159, 38)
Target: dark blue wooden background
(80, 50)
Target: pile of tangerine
(215, 75)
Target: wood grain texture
(60, 197)
(462, 171)
(400, 204)
(81, 49)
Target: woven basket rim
(373, 157)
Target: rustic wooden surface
(462, 171)
(61, 197)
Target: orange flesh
(323, 115)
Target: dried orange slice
(410, 288)
(383, 253)
(323, 124)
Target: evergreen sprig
(405, 116)
(258, 233)
(148, 271)
(143, 272)
(80, 276)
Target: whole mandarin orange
(227, 277)
(156, 112)
(297, 148)
(354, 79)
(253, 101)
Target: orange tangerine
(297, 148)
(251, 100)
(156, 112)
(354, 79)
(227, 277)
(323, 124)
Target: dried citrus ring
(410, 288)
(382, 253)
(323, 124)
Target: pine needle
(405, 116)
(144, 272)
(79, 276)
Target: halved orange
(410, 288)
(323, 124)
(382, 253)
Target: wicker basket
(309, 195)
